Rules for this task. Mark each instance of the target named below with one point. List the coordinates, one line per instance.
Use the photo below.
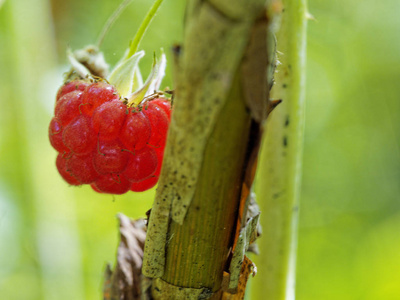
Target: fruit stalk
(143, 27)
(279, 173)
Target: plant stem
(111, 21)
(198, 249)
(279, 173)
(143, 27)
(191, 229)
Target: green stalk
(193, 220)
(143, 27)
(279, 173)
(111, 21)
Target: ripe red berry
(136, 131)
(55, 136)
(142, 164)
(68, 107)
(112, 184)
(61, 167)
(144, 185)
(81, 167)
(95, 188)
(148, 183)
(97, 94)
(105, 143)
(159, 124)
(108, 119)
(79, 136)
(110, 157)
(164, 105)
(76, 85)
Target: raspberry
(95, 95)
(79, 136)
(112, 184)
(144, 185)
(110, 157)
(55, 136)
(68, 107)
(159, 124)
(108, 119)
(95, 188)
(136, 131)
(61, 167)
(164, 105)
(76, 85)
(141, 165)
(103, 142)
(148, 183)
(81, 167)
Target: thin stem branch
(111, 21)
(143, 27)
(279, 173)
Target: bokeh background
(55, 240)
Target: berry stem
(143, 27)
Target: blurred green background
(55, 240)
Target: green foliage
(55, 239)
(350, 201)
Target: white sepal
(152, 83)
(126, 76)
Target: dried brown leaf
(124, 283)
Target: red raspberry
(95, 188)
(110, 157)
(164, 105)
(108, 119)
(112, 184)
(76, 85)
(105, 143)
(95, 95)
(148, 183)
(141, 165)
(144, 185)
(55, 136)
(81, 167)
(68, 107)
(61, 167)
(159, 124)
(136, 131)
(79, 136)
